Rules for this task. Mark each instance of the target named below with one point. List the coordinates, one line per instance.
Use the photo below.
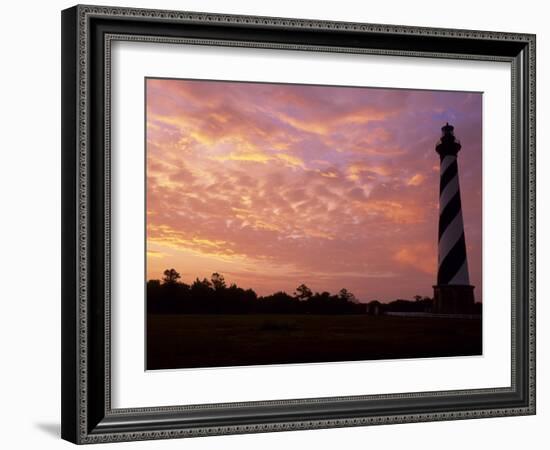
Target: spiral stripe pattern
(452, 262)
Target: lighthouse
(453, 293)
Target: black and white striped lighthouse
(453, 293)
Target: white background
(132, 387)
(30, 225)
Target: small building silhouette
(374, 308)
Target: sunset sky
(274, 185)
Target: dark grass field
(188, 341)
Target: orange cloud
(166, 236)
(359, 167)
(416, 180)
(249, 157)
(292, 161)
(418, 256)
(395, 211)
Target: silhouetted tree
(218, 282)
(303, 292)
(171, 276)
(347, 295)
(153, 284)
(203, 284)
(170, 295)
(201, 288)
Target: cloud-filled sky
(274, 185)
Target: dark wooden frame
(87, 31)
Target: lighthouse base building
(453, 299)
(453, 293)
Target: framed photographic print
(279, 224)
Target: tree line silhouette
(213, 296)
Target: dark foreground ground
(185, 340)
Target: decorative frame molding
(87, 34)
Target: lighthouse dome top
(448, 144)
(447, 129)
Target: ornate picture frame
(88, 33)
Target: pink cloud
(278, 184)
